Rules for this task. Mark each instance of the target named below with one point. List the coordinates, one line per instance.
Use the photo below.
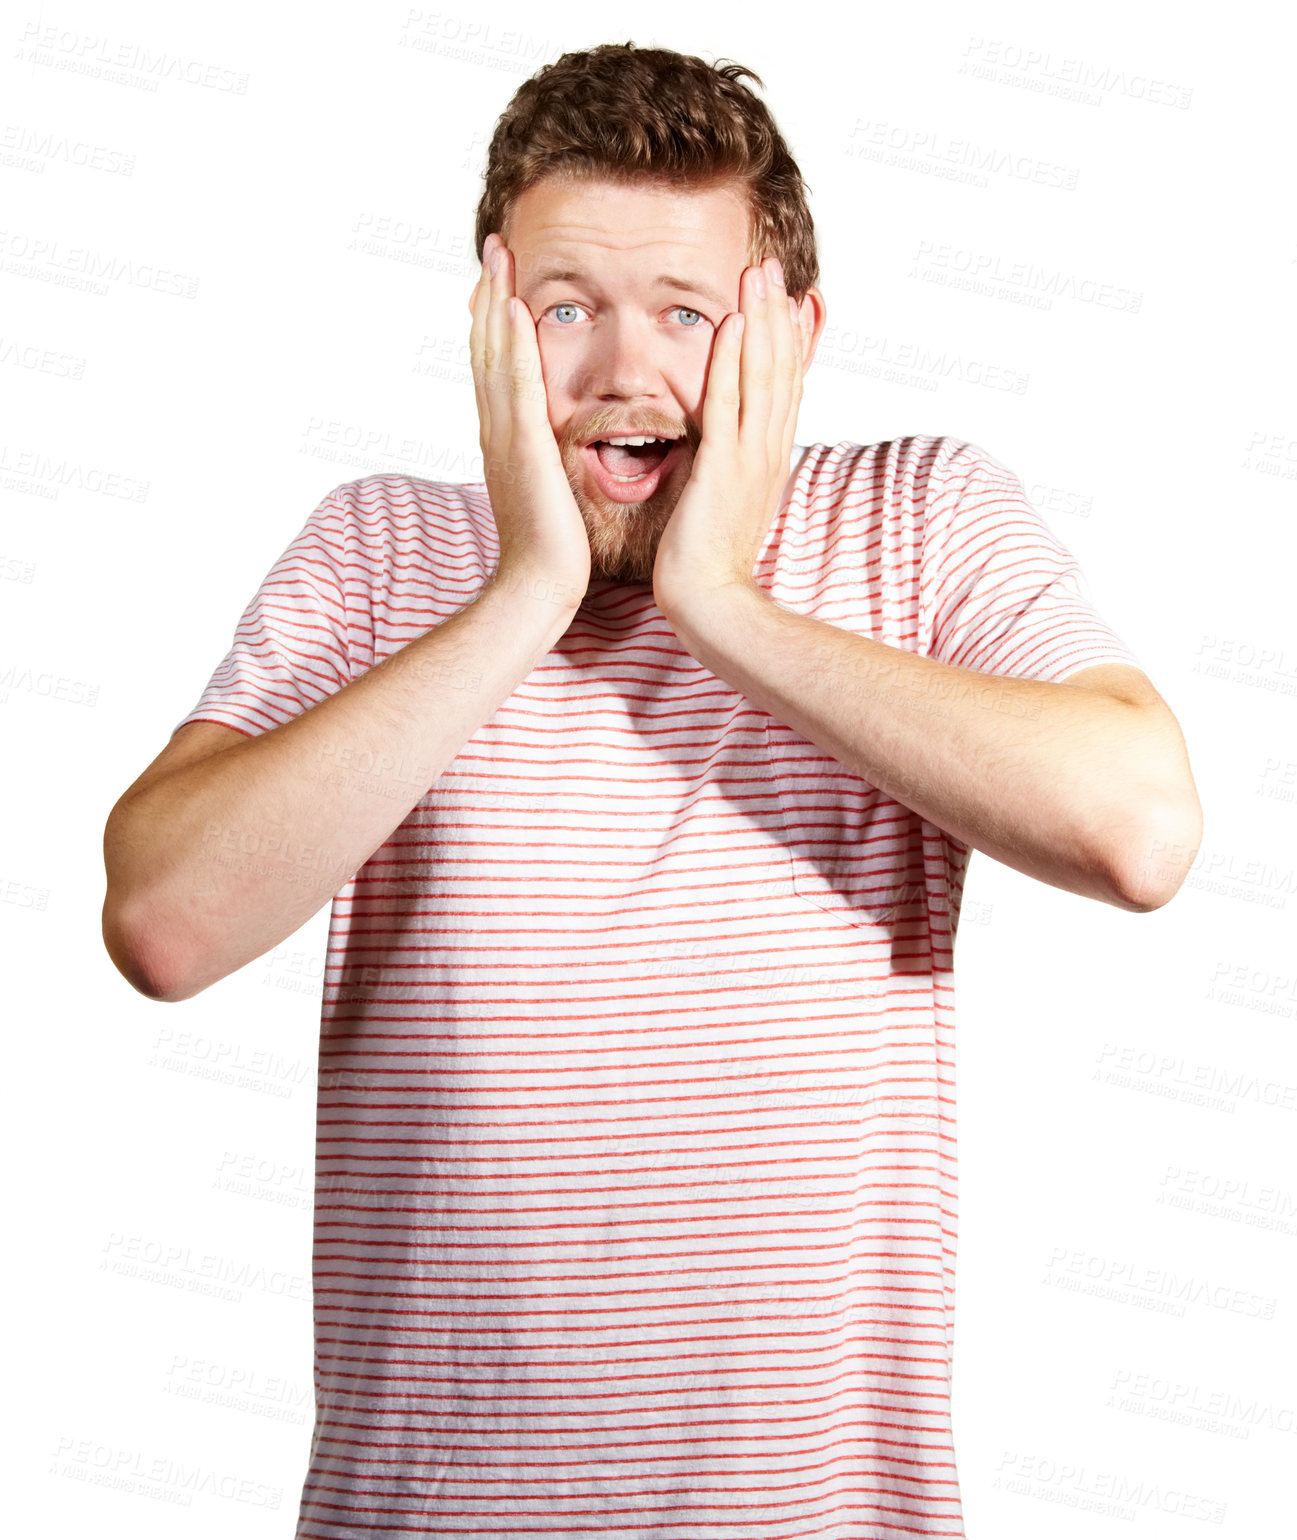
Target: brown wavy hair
(626, 114)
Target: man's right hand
(543, 540)
(187, 901)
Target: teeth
(632, 438)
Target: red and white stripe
(636, 1196)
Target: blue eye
(681, 310)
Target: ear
(811, 316)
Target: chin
(623, 536)
(627, 570)
(624, 542)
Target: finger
(756, 367)
(785, 362)
(720, 423)
(531, 409)
(781, 341)
(498, 343)
(799, 370)
(477, 343)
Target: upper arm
(188, 744)
(1120, 680)
(999, 591)
(293, 644)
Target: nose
(620, 364)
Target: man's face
(623, 350)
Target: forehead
(612, 223)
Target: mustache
(611, 423)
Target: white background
(279, 205)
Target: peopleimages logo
(999, 277)
(1152, 1288)
(937, 154)
(1071, 79)
(158, 1476)
(1073, 1484)
(169, 1262)
(94, 55)
(1184, 1402)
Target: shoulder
(412, 514)
(405, 534)
(395, 498)
(904, 478)
(915, 459)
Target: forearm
(1058, 781)
(213, 863)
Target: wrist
(536, 585)
(707, 603)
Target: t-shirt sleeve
(292, 646)
(999, 592)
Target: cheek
(687, 373)
(562, 364)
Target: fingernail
(777, 269)
(493, 261)
(759, 282)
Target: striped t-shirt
(635, 1207)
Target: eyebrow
(563, 274)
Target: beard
(624, 537)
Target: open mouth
(630, 468)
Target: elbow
(1149, 868)
(138, 925)
(152, 970)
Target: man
(649, 773)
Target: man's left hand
(749, 421)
